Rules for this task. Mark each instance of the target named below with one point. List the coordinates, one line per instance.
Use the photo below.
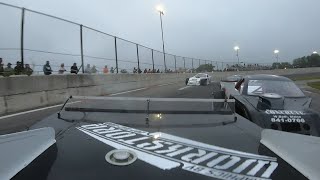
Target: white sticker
(255, 90)
(166, 151)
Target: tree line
(312, 60)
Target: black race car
(274, 102)
(145, 138)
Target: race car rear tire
(187, 80)
(219, 95)
(203, 82)
(246, 114)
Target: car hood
(178, 147)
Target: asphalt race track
(20, 121)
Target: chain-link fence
(32, 38)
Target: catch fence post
(22, 37)
(81, 48)
(116, 53)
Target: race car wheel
(246, 114)
(203, 82)
(187, 80)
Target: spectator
(94, 69)
(47, 68)
(158, 71)
(62, 69)
(135, 70)
(124, 71)
(112, 70)
(18, 69)
(27, 70)
(139, 71)
(88, 69)
(105, 69)
(1, 67)
(145, 70)
(8, 71)
(74, 69)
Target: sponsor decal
(255, 90)
(166, 151)
(285, 112)
(286, 116)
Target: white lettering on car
(284, 116)
(167, 152)
(285, 112)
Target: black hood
(190, 147)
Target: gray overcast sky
(204, 28)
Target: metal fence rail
(70, 42)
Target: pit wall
(24, 93)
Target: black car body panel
(77, 155)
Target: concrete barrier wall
(23, 93)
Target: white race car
(200, 79)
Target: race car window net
(151, 106)
(283, 88)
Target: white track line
(35, 110)
(127, 91)
(165, 84)
(184, 88)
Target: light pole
(276, 52)
(161, 12)
(236, 48)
